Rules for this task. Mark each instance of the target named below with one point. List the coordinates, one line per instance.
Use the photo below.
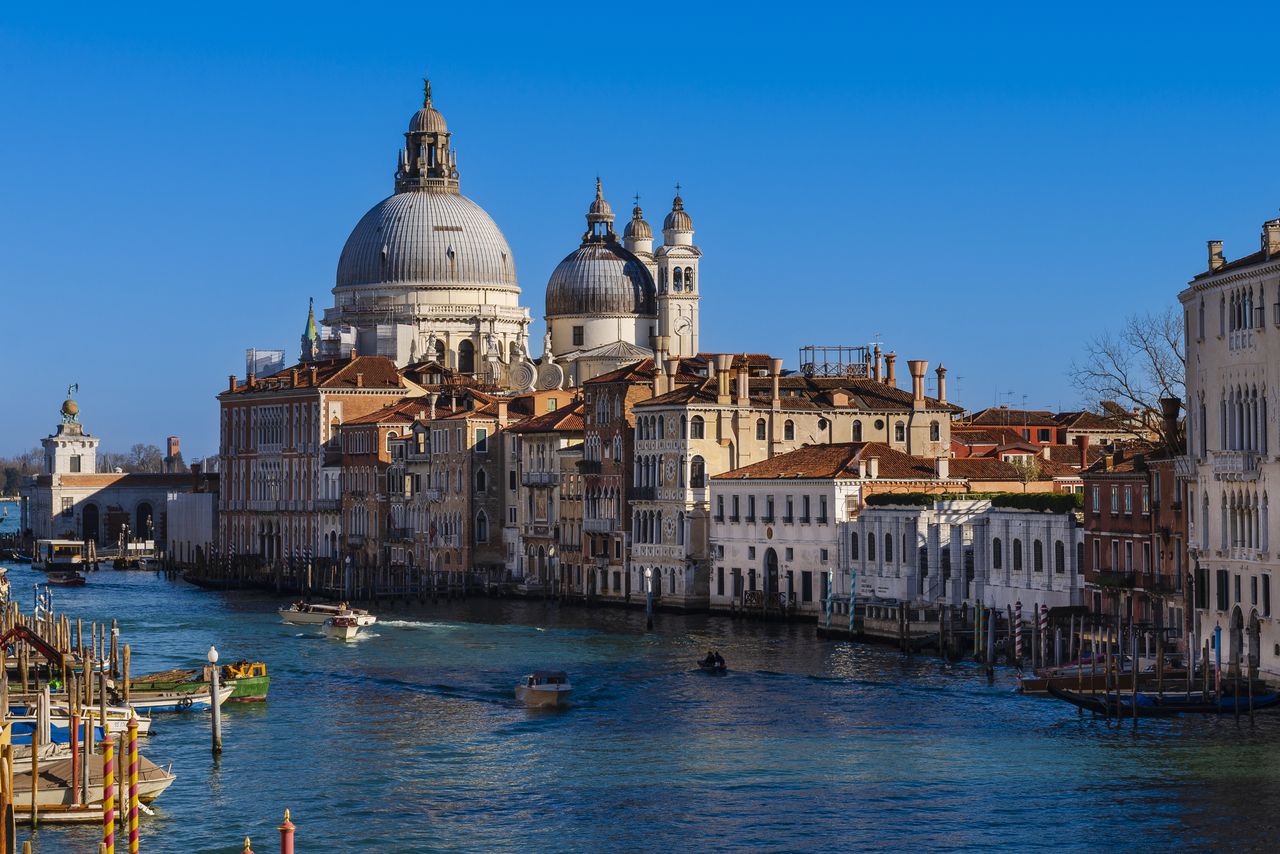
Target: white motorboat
(56, 786)
(544, 689)
(310, 614)
(194, 699)
(342, 628)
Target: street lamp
(648, 597)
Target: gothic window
(697, 427)
(482, 480)
(482, 527)
(789, 431)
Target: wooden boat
(1094, 682)
(342, 628)
(713, 663)
(545, 689)
(249, 679)
(56, 783)
(310, 614)
(183, 700)
(65, 578)
(1169, 704)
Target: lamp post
(648, 598)
(213, 699)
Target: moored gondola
(1169, 704)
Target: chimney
(673, 370)
(890, 375)
(744, 383)
(862, 469)
(1271, 238)
(917, 368)
(942, 383)
(252, 380)
(503, 404)
(231, 382)
(359, 379)
(661, 343)
(944, 468)
(1215, 256)
(875, 364)
(1083, 443)
(775, 393)
(724, 363)
(293, 378)
(1044, 452)
(432, 399)
(1169, 407)
(659, 375)
(873, 468)
(312, 370)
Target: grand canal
(410, 741)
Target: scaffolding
(836, 361)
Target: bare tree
(1027, 469)
(1136, 366)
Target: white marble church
(427, 275)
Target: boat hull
(317, 618)
(164, 702)
(544, 696)
(1169, 705)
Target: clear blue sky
(981, 186)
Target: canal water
(410, 740)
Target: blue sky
(981, 186)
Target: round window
(879, 423)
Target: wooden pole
(75, 759)
(125, 675)
(1133, 675)
(35, 772)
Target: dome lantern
(428, 161)
(599, 217)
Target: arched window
(1059, 557)
(680, 528)
(997, 554)
(482, 480)
(871, 546)
(899, 432)
(935, 431)
(697, 427)
(482, 527)
(688, 278)
(466, 357)
(677, 279)
(857, 431)
(697, 473)
(789, 431)
(854, 539)
(1017, 555)
(1037, 556)
(761, 430)
(888, 548)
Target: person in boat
(719, 660)
(713, 659)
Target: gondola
(712, 667)
(1165, 705)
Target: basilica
(427, 276)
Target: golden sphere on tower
(70, 408)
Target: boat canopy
(550, 677)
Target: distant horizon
(982, 193)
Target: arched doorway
(466, 357)
(144, 521)
(1255, 644)
(89, 524)
(1235, 646)
(770, 571)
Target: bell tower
(679, 283)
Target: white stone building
(958, 551)
(1232, 314)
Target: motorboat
(65, 578)
(342, 628)
(150, 564)
(545, 689)
(311, 614)
(58, 555)
(194, 699)
(249, 678)
(57, 786)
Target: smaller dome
(601, 278)
(600, 210)
(428, 120)
(637, 228)
(677, 220)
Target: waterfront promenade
(410, 741)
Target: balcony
(1118, 580)
(328, 505)
(642, 493)
(590, 466)
(1235, 465)
(402, 535)
(540, 478)
(600, 526)
(1163, 584)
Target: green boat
(250, 679)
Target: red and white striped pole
(1044, 635)
(1017, 632)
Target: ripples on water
(411, 740)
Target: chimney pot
(873, 468)
(890, 374)
(359, 379)
(917, 367)
(875, 364)
(944, 468)
(942, 383)
(231, 382)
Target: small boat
(342, 628)
(1168, 704)
(151, 564)
(309, 614)
(249, 678)
(56, 782)
(23, 558)
(713, 663)
(157, 702)
(545, 689)
(69, 578)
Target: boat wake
(414, 624)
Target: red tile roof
(838, 460)
(566, 419)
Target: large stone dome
(600, 277)
(427, 239)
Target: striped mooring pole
(286, 829)
(1017, 632)
(1044, 635)
(133, 784)
(108, 794)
